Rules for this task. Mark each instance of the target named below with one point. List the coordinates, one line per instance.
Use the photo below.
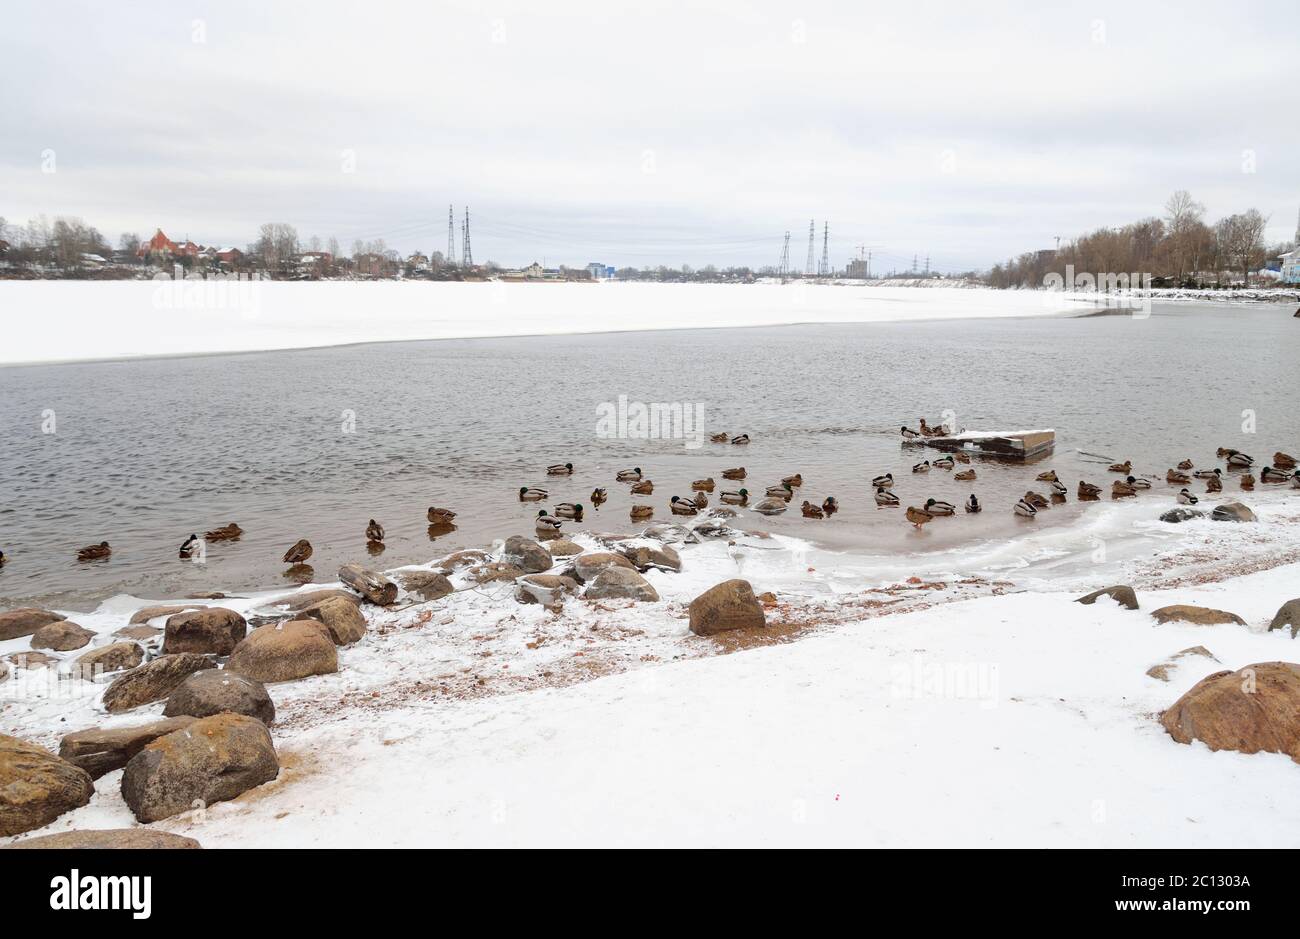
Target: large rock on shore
(146, 613)
(1287, 615)
(114, 657)
(645, 557)
(546, 589)
(341, 619)
(1122, 594)
(300, 601)
(139, 633)
(1181, 514)
(617, 583)
(728, 605)
(527, 555)
(211, 631)
(470, 557)
(1196, 615)
(375, 587)
(62, 636)
(492, 572)
(31, 660)
(1161, 671)
(563, 548)
(98, 750)
(285, 652)
(23, 622)
(218, 691)
(152, 681)
(36, 787)
(212, 760)
(425, 585)
(130, 839)
(1232, 512)
(1254, 709)
(587, 566)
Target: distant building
(599, 271)
(162, 248)
(1291, 267)
(857, 269)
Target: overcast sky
(644, 133)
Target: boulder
(300, 601)
(1122, 594)
(25, 621)
(98, 750)
(212, 760)
(285, 652)
(36, 787)
(527, 555)
(1181, 514)
(771, 506)
(587, 566)
(645, 558)
(110, 658)
(468, 558)
(214, 691)
(563, 548)
(131, 839)
(617, 583)
(61, 636)
(1232, 512)
(144, 614)
(27, 660)
(342, 619)
(1196, 615)
(1254, 709)
(152, 681)
(426, 585)
(492, 572)
(1161, 671)
(376, 588)
(212, 631)
(139, 633)
(1287, 615)
(546, 589)
(728, 605)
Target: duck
(439, 516)
(532, 494)
(374, 532)
(961, 457)
(640, 512)
(1209, 473)
(1236, 458)
(3, 559)
(1126, 467)
(1036, 499)
(1024, 509)
(682, 506)
(830, 505)
(1186, 498)
(719, 438)
(1058, 490)
(944, 462)
(1138, 483)
(886, 499)
(918, 517)
(560, 469)
(937, 507)
(628, 475)
(1248, 482)
(1213, 484)
(188, 547)
(598, 496)
(701, 500)
(703, 485)
(1088, 490)
(909, 434)
(224, 533)
(643, 487)
(94, 552)
(973, 505)
(812, 511)
(795, 481)
(1120, 489)
(771, 507)
(782, 491)
(736, 472)
(965, 475)
(884, 482)
(1186, 465)
(546, 524)
(1284, 460)
(741, 440)
(299, 553)
(571, 510)
(1048, 477)
(921, 467)
(1176, 477)
(740, 497)
(1270, 475)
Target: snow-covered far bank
(65, 321)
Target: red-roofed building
(160, 247)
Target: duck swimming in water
(560, 469)
(1213, 484)
(1207, 474)
(571, 510)
(923, 467)
(680, 506)
(701, 500)
(188, 547)
(533, 494)
(1186, 465)
(1058, 490)
(812, 511)
(224, 533)
(546, 524)
(1178, 478)
(918, 517)
(437, 516)
(94, 552)
(1236, 458)
(1126, 467)
(965, 475)
(1120, 489)
(1024, 509)
(909, 434)
(884, 482)
(1248, 482)
(740, 441)
(961, 457)
(375, 532)
(1088, 490)
(719, 438)
(1138, 483)
(737, 472)
(628, 475)
(640, 512)
(973, 504)
(782, 491)
(644, 487)
(1048, 477)
(1284, 460)
(936, 507)
(794, 481)
(703, 485)
(598, 496)
(886, 499)
(1036, 499)
(830, 505)
(1270, 475)
(735, 498)
(944, 462)
(1186, 498)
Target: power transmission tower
(469, 254)
(783, 269)
(927, 265)
(812, 239)
(451, 238)
(914, 264)
(825, 269)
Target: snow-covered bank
(55, 321)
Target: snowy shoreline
(959, 698)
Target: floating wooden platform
(1012, 445)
